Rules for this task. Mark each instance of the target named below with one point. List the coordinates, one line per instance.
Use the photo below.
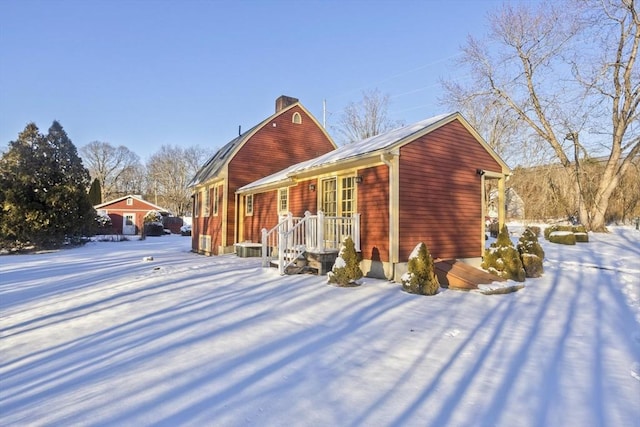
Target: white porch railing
(292, 236)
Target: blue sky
(147, 73)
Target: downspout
(390, 159)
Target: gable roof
(367, 147)
(133, 196)
(214, 166)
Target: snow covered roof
(354, 150)
(132, 196)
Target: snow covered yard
(97, 336)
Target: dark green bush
(503, 259)
(346, 270)
(153, 229)
(421, 276)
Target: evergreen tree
(346, 270)
(503, 259)
(44, 189)
(531, 253)
(421, 275)
(95, 193)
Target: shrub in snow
(421, 275)
(562, 237)
(503, 259)
(346, 270)
(581, 237)
(535, 230)
(560, 233)
(152, 216)
(531, 253)
(103, 221)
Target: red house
(420, 183)
(127, 213)
(289, 136)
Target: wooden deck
(455, 274)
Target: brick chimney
(284, 101)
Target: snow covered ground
(97, 336)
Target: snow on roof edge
(349, 151)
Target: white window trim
(129, 201)
(248, 203)
(206, 201)
(216, 206)
(282, 210)
(296, 118)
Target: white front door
(129, 223)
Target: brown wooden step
(455, 274)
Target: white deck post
(265, 248)
(281, 248)
(308, 239)
(356, 231)
(320, 231)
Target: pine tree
(95, 193)
(531, 253)
(346, 270)
(421, 275)
(503, 259)
(44, 186)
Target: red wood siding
(373, 205)
(440, 193)
(271, 149)
(265, 209)
(208, 225)
(302, 199)
(265, 215)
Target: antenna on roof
(324, 113)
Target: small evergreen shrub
(502, 258)
(581, 237)
(103, 222)
(153, 216)
(562, 237)
(535, 230)
(421, 276)
(571, 228)
(153, 224)
(531, 253)
(346, 270)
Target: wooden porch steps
(455, 274)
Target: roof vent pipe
(239, 130)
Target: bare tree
(169, 171)
(366, 118)
(568, 71)
(114, 167)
